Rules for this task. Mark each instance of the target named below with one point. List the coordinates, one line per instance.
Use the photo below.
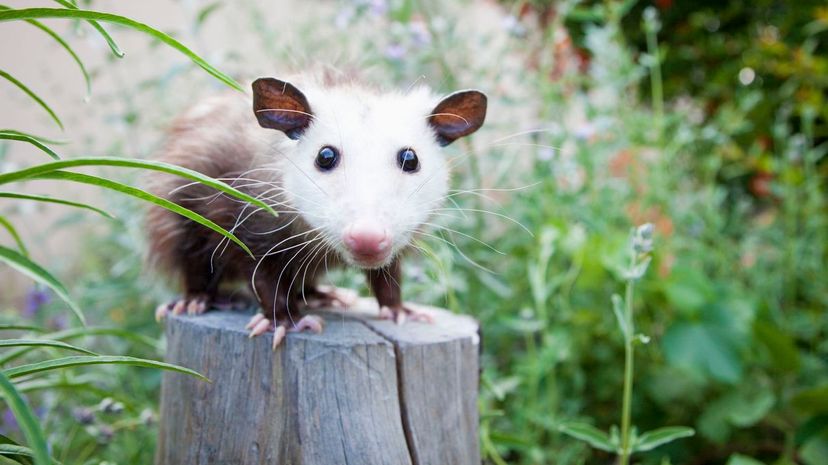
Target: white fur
(368, 129)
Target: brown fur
(220, 138)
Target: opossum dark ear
(458, 115)
(280, 105)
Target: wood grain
(364, 391)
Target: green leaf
(589, 434)
(43, 343)
(28, 91)
(43, 198)
(145, 196)
(27, 421)
(738, 459)
(31, 140)
(109, 40)
(75, 333)
(16, 327)
(13, 232)
(813, 400)
(18, 458)
(618, 310)
(31, 269)
(658, 437)
(84, 360)
(781, 347)
(36, 13)
(41, 139)
(63, 44)
(206, 12)
(186, 173)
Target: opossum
(354, 172)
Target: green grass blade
(75, 333)
(12, 456)
(27, 421)
(17, 327)
(57, 38)
(46, 199)
(43, 343)
(34, 171)
(37, 138)
(28, 91)
(145, 196)
(13, 232)
(84, 360)
(31, 140)
(36, 13)
(109, 40)
(31, 269)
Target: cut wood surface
(365, 391)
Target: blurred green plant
(628, 441)
(20, 378)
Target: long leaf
(26, 138)
(74, 333)
(145, 196)
(16, 327)
(658, 437)
(35, 13)
(18, 458)
(27, 421)
(132, 163)
(589, 434)
(41, 139)
(31, 269)
(43, 343)
(43, 198)
(28, 91)
(57, 38)
(109, 40)
(14, 234)
(83, 360)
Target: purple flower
(419, 33)
(378, 7)
(35, 299)
(9, 423)
(395, 52)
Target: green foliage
(598, 121)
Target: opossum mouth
(369, 261)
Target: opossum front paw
(193, 305)
(331, 296)
(400, 313)
(259, 325)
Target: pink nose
(367, 238)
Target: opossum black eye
(407, 159)
(327, 158)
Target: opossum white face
(365, 169)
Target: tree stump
(363, 392)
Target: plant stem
(656, 85)
(628, 367)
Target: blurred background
(706, 118)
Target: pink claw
(196, 307)
(311, 322)
(161, 312)
(278, 336)
(253, 321)
(260, 328)
(179, 307)
(385, 313)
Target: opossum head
(365, 169)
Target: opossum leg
(322, 296)
(385, 284)
(201, 283)
(275, 314)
